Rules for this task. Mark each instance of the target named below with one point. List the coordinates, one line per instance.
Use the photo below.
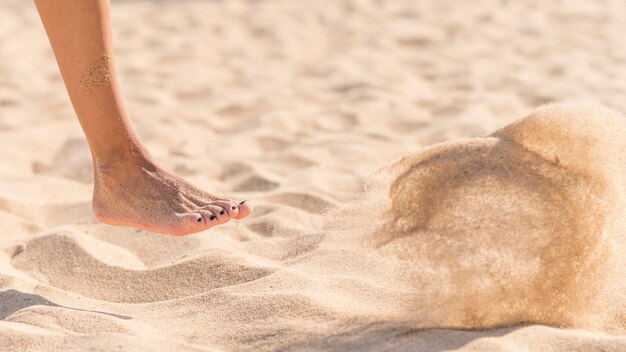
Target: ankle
(121, 166)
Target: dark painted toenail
(233, 207)
(199, 219)
(243, 201)
(222, 212)
(212, 217)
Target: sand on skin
(323, 95)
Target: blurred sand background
(293, 105)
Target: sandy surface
(513, 242)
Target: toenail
(233, 207)
(222, 212)
(212, 217)
(199, 219)
(243, 201)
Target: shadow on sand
(398, 337)
(12, 301)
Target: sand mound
(70, 267)
(524, 225)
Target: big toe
(245, 209)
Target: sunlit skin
(130, 188)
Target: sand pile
(524, 225)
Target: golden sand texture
(98, 75)
(524, 225)
(295, 105)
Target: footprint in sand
(526, 224)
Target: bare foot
(141, 194)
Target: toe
(210, 219)
(245, 209)
(219, 212)
(188, 223)
(229, 206)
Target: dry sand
(509, 242)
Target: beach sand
(506, 235)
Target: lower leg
(130, 188)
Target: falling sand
(524, 225)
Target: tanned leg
(130, 189)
